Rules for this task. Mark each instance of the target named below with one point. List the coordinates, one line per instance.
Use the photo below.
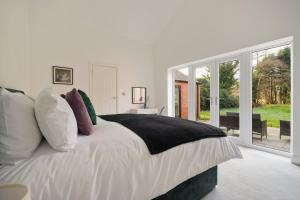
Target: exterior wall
(184, 98)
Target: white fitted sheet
(114, 164)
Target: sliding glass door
(228, 95)
(271, 98)
(216, 88)
(247, 94)
(202, 94)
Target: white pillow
(19, 131)
(56, 120)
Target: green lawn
(272, 113)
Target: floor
(259, 176)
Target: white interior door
(104, 89)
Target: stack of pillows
(24, 121)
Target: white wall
(208, 28)
(40, 34)
(14, 44)
(63, 36)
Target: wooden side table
(14, 192)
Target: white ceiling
(140, 20)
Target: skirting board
(295, 160)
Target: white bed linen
(114, 164)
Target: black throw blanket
(161, 133)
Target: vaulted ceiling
(140, 20)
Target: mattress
(114, 163)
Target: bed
(114, 163)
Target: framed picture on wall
(62, 75)
(138, 95)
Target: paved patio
(273, 141)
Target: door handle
(114, 98)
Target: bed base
(194, 188)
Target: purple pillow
(83, 119)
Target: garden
(270, 88)
(272, 113)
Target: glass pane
(203, 94)
(181, 92)
(271, 98)
(229, 92)
(177, 101)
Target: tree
(228, 83)
(272, 76)
(255, 92)
(285, 56)
(227, 75)
(205, 91)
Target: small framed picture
(62, 75)
(138, 95)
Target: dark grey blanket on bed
(161, 133)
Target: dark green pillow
(89, 106)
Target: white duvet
(114, 164)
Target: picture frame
(62, 75)
(139, 95)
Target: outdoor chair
(285, 128)
(259, 127)
(232, 122)
(223, 121)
